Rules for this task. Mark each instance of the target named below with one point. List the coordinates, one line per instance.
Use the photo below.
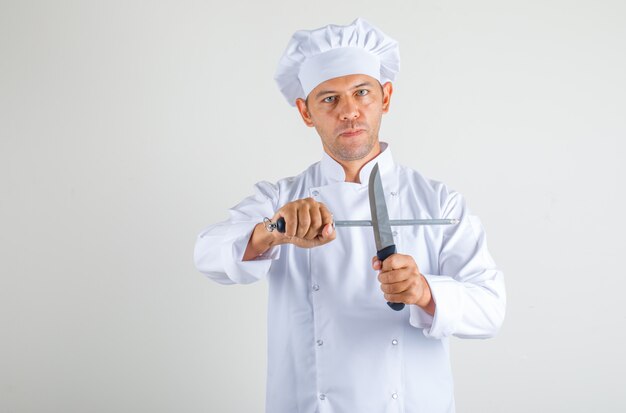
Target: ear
(387, 91)
(304, 112)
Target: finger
(328, 234)
(397, 298)
(397, 288)
(397, 261)
(392, 262)
(315, 227)
(304, 221)
(393, 276)
(330, 231)
(327, 217)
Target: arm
(260, 242)
(468, 292)
(240, 249)
(220, 248)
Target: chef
(334, 345)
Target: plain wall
(126, 127)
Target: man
(333, 343)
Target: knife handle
(382, 255)
(280, 225)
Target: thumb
(376, 264)
(328, 232)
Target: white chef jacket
(334, 346)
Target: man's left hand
(402, 282)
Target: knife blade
(385, 245)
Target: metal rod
(399, 222)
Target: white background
(128, 126)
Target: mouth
(352, 132)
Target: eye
(329, 99)
(362, 92)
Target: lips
(351, 132)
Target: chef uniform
(333, 343)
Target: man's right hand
(308, 224)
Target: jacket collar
(332, 171)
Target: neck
(353, 168)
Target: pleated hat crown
(314, 56)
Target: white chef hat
(314, 56)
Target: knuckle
(389, 277)
(398, 261)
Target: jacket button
(394, 396)
(320, 342)
(394, 342)
(315, 193)
(316, 287)
(322, 396)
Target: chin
(352, 152)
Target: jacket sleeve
(219, 248)
(469, 291)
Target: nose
(349, 110)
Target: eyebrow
(325, 92)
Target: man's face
(346, 112)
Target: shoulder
(419, 182)
(431, 191)
(306, 178)
(289, 186)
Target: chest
(352, 250)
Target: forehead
(342, 83)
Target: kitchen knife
(383, 237)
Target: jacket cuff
(448, 296)
(233, 249)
